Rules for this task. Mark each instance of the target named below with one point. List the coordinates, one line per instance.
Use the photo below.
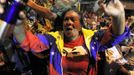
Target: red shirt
(76, 60)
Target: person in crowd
(130, 20)
(116, 62)
(122, 54)
(74, 45)
(38, 23)
(127, 47)
(54, 13)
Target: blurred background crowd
(18, 62)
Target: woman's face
(71, 24)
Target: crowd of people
(58, 39)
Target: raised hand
(113, 8)
(3, 4)
(9, 17)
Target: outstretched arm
(47, 13)
(115, 9)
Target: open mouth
(68, 29)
